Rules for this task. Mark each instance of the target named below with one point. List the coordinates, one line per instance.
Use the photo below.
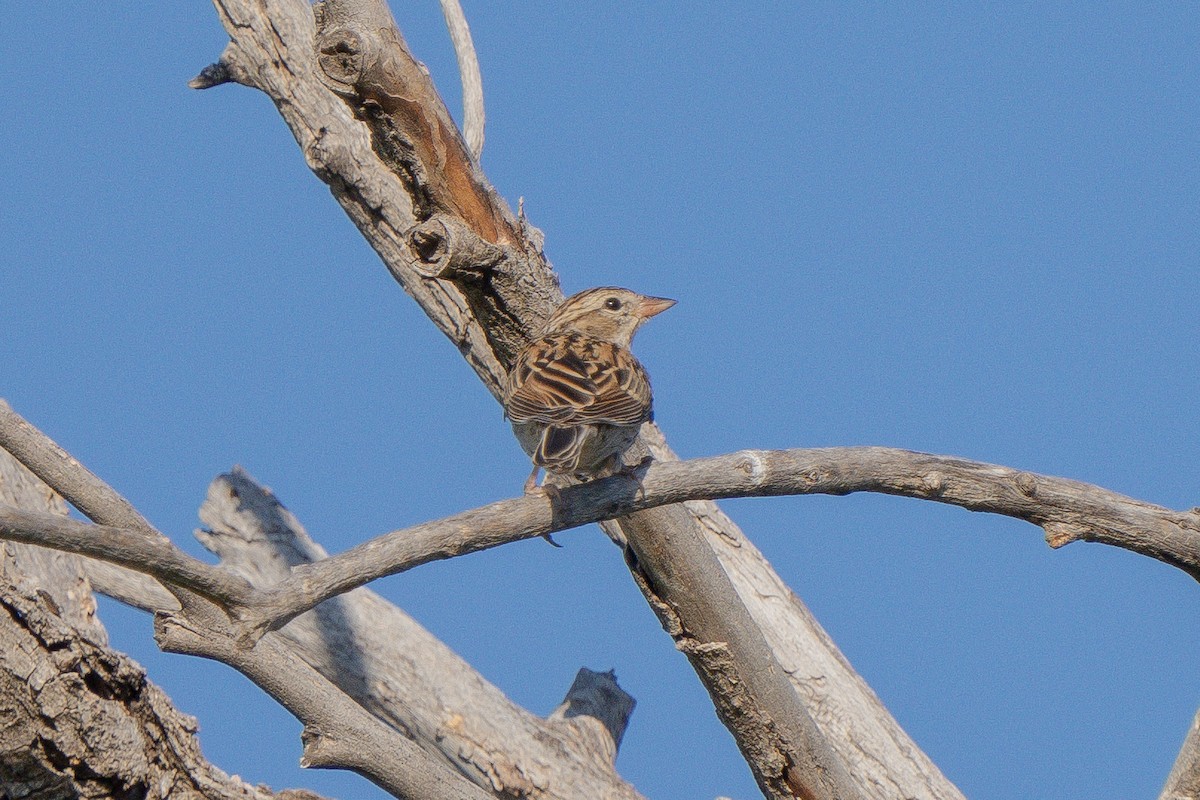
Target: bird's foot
(636, 472)
(547, 490)
(531, 484)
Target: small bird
(576, 395)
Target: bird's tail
(559, 448)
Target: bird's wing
(573, 380)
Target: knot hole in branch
(446, 247)
(340, 54)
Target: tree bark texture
(408, 708)
(77, 719)
(372, 127)
(397, 670)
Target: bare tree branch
(338, 734)
(63, 692)
(369, 649)
(472, 79)
(335, 726)
(128, 548)
(404, 675)
(1067, 510)
(59, 469)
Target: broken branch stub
(465, 232)
(365, 60)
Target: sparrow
(576, 396)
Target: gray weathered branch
(334, 724)
(1065, 509)
(63, 691)
(403, 674)
(468, 69)
(371, 650)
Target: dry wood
(372, 651)
(395, 174)
(1066, 509)
(338, 732)
(405, 178)
(400, 672)
(63, 692)
(1184, 781)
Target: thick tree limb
(335, 726)
(62, 691)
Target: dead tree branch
(63, 691)
(380, 658)
(1184, 781)
(1067, 511)
(401, 673)
(390, 153)
(335, 727)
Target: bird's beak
(649, 306)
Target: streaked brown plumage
(576, 395)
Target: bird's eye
(612, 304)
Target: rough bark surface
(382, 171)
(404, 675)
(77, 719)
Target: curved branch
(1067, 510)
(472, 79)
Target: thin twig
(472, 79)
(42, 456)
(127, 547)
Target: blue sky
(964, 230)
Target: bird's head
(608, 313)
